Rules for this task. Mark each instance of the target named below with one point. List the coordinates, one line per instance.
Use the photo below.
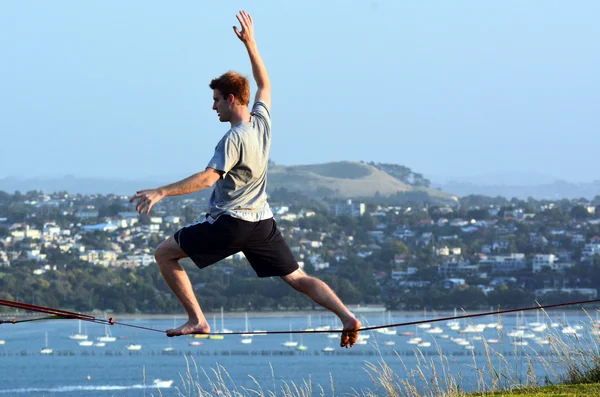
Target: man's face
(221, 105)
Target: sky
(119, 89)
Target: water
(114, 371)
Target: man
(239, 218)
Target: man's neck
(238, 117)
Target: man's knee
(297, 279)
(168, 250)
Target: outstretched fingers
(246, 33)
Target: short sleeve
(260, 110)
(226, 155)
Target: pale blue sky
(120, 88)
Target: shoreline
(371, 311)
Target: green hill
(342, 179)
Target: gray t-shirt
(243, 156)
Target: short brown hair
(235, 84)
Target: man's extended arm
(259, 71)
(201, 180)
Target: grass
(590, 389)
(572, 370)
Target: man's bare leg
(320, 292)
(167, 257)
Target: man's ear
(230, 99)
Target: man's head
(231, 94)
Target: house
(4, 262)
(514, 214)
(402, 274)
(589, 250)
(280, 210)
(445, 251)
(426, 238)
(498, 281)
(453, 283)
(22, 231)
(50, 231)
(86, 214)
(450, 237)
(457, 266)
(505, 263)
(99, 257)
(591, 293)
(172, 219)
(550, 261)
(458, 222)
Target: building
(347, 208)
(457, 267)
(505, 263)
(550, 261)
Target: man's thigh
(268, 253)
(207, 243)
(169, 250)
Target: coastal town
(480, 252)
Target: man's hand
(146, 199)
(247, 32)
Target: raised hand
(246, 35)
(146, 199)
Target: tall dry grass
(572, 359)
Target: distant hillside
(556, 190)
(340, 179)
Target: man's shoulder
(261, 109)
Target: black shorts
(261, 242)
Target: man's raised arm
(246, 35)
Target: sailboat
(329, 348)
(424, 325)
(454, 325)
(133, 347)
(387, 330)
(291, 342)
(169, 349)
(107, 336)
(416, 339)
(223, 329)
(216, 337)
(78, 335)
(46, 349)
(246, 338)
(310, 328)
(301, 347)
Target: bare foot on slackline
(350, 332)
(191, 327)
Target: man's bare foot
(350, 332)
(191, 327)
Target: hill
(345, 179)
